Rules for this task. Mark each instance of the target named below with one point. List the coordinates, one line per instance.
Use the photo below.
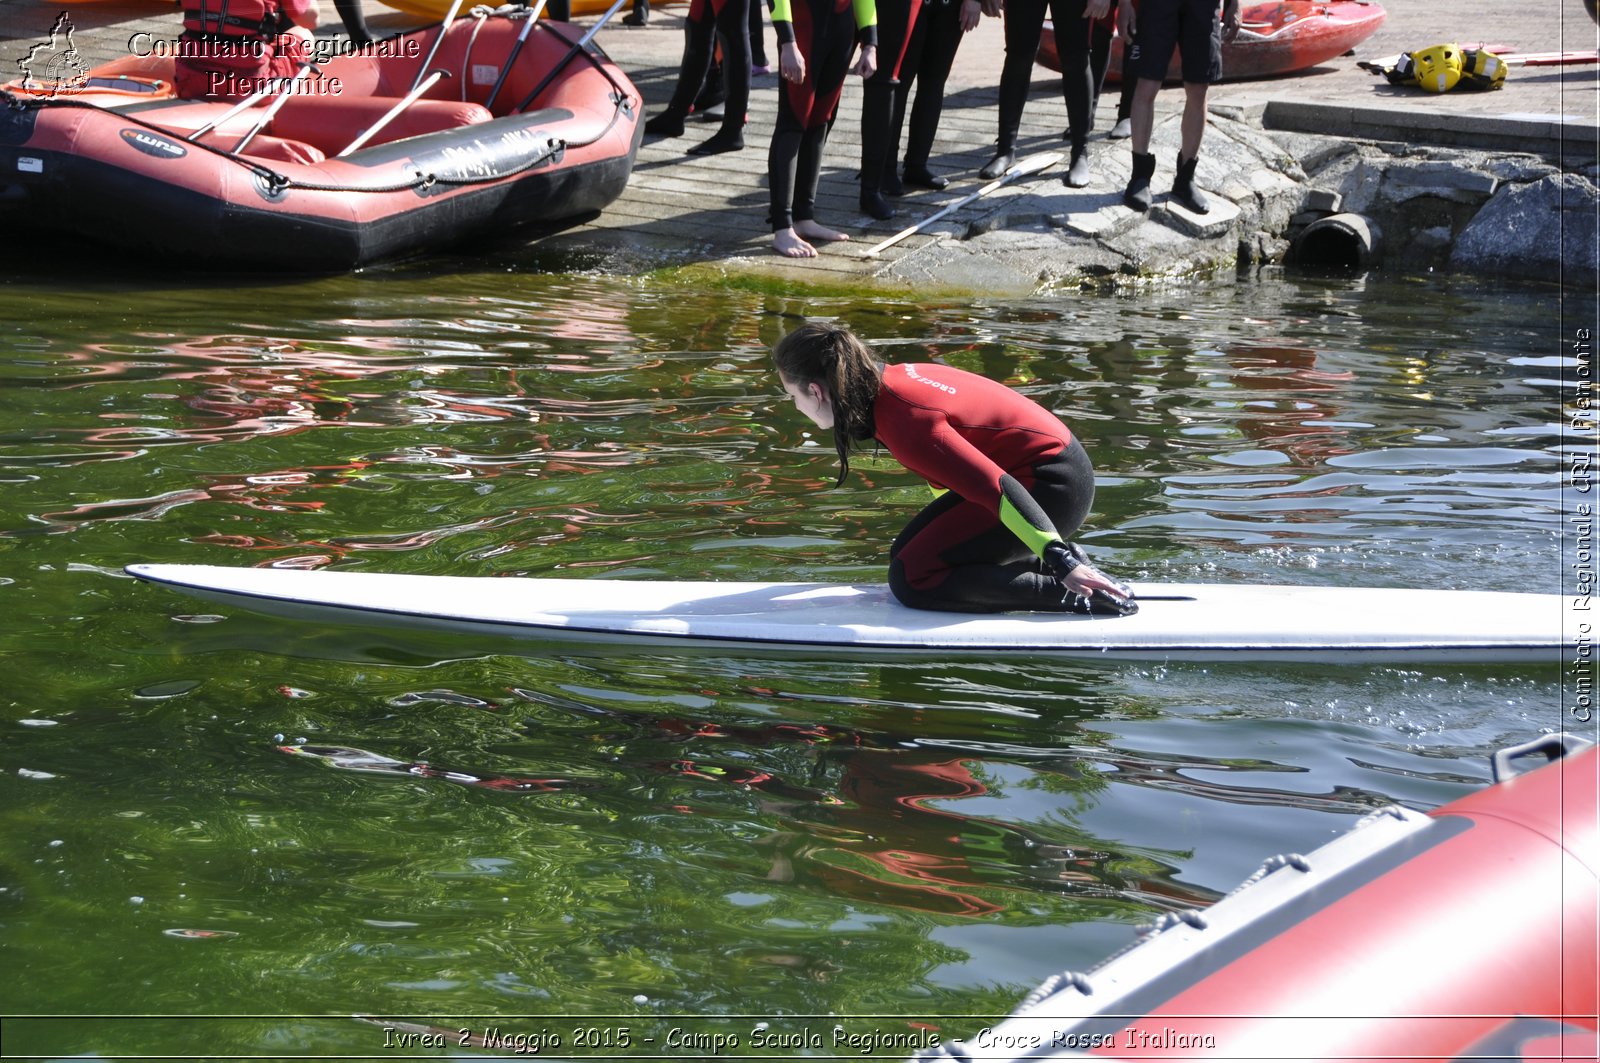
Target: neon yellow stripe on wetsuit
(866, 12)
(1033, 528)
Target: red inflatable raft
(1278, 38)
(1467, 933)
(500, 135)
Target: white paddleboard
(1177, 621)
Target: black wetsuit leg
(1024, 22)
(733, 31)
(699, 30)
(957, 556)
(897, 21)
(1074, 34)
(354, 19)
(758, 40)
(940, 30)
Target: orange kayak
(1275, 38)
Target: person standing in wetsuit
(897, 26)
(927, 63)
(1071, 22)
(726, 22)
(1011, 481)
(815, 39)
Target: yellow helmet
(1437, 69)
(1482, 69)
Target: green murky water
(601, 849)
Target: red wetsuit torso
(962, 431)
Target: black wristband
(1061, 558)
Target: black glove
(1062, 559)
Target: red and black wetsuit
(826, 32)
(1014, 481)
(929, 57)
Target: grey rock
(1432, 241)
(1439, 179)
(1545, 230)
(1322, 201)
(1218, 221)
(1519, 168)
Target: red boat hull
(1468, 933)
(1277, 38)
(447, 170)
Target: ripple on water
(446, 827)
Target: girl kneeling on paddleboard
(1009, 478)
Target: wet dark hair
(833, 356)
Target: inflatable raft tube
(1466, 933)
(351, 167)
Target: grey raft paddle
(516, 50)
(572, 52)
(394, 112)
(444, 27)
(1032, 164)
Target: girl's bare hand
(791, 64)
(867, 65)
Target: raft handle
(1053, 985)
(1190, 917)
(1502, 763)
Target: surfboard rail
(1176, 620)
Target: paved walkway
(681, 208)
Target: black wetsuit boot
(1184, 190)
(1137, 195)
(1078, 173)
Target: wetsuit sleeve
(1027, 520)
(866, 21)
(783, 21)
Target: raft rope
(480, 15)
(279, 183)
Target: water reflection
(457, 826)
